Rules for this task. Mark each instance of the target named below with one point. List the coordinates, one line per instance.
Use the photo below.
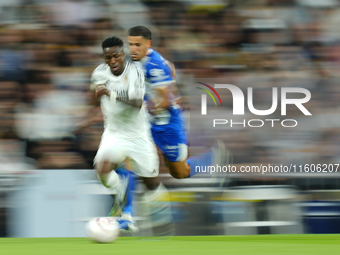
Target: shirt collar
(146, 57)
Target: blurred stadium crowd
(49, 49)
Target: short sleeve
(97, 77)
(159, 74)
(137, 84)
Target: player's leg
(174, 150)
(130, 179)
(156, 198)
(127, 181)
(178, 170)
(171, 141)
(145, 160)
(126, 220)
(110, 155)
(215, 156)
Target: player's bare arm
(162, 102)
(165, 99)
(102, 90)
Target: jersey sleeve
(159, 74)
(137, 84)
(97, 77)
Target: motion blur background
(49, 49)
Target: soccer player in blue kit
(167, 125)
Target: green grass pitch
(207, 245)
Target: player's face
(114, 57)
(138, 47)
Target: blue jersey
(167, 125)
(157, 70)
(157, 75)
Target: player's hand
(152, 109)
(102, 90)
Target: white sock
(158, 204)
(127, 217)
(111, 181)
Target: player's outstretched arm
(162, 102)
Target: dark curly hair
(112, 42)
(140, 31)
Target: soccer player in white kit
(119, 87)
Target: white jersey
(123, 120)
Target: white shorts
(142, 152)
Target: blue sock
(200, 162)
(192, 169)
(127, 209)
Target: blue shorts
(171, 138)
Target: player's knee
(105, 167)
(151, 183)
(179, 174)
(179, 170)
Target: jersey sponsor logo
(157, 72)
(159, 78)
(171, 147)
